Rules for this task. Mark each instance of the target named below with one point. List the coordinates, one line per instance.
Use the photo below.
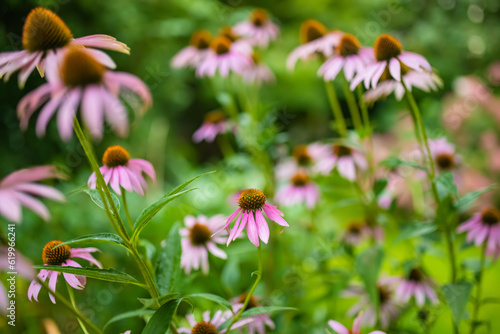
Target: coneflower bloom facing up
(260, 321)
(197, 242)
(483, 227)
(252, 203)
(215, 123)
(388, 307)
(389, 54)
(18, 188)
(258, 73)
(119, 171)
(225, 56)
(258, 29)
(61, 256)
(44, 36)
(80, 80)
(418, 285)
(338, 328)
(300, 189)
(346, 159)
(198, 49)
(349, 56)
(315, 39)
(209, 326)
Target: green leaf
(185, 184)
(96, 198)
(168, 265)
(110, 275)
(130, 314)
(444, 211)
(379, 186)
(219, 300)
(457, 296)
(265, 309)
(156, 303)
(468, 199)
(95, 239)
(415, 230)
(161, 319)
(148, 213)
(368, 264)
(393, 162)
(445, 185)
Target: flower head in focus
(258, 29)
(61, 256)
(44, 36)
(192, 55)
(119, 171)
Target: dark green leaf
(161, 319)
(219, 300)
(368, 264)
(110, 275)
(379, 186)
(468, 199)
(94, 239)
(393, 162)
(156, 303)
(265, 309)
(445, 185)
(168, 267)
(415, 230)
(457, 296)
(130, 314)
(444, 211)
(96, 198)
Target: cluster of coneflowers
(80, 77)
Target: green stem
(73, 302)
(477, 303)
(125, 208)
(353, 106)
(337, 111)
(368, 127)
(250, 293)
(70, 307)
(146, 273)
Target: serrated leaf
(110, 275)
(148, 213)
(130, 314)
(168, 266)
(219, 300)
(445, 184)
(456, 296)
(156, 303)
(96, 198)
(468, 199)
(368, 264)
(379, 186)
(161, 319)
(415, 230)
(94, 239)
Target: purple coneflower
(259, 321)
(388, 307)
(215, 123)
(300, 189)
(18, 188)
(346, 159)
(80, 80)
(119, 171)
(258, 29)
(258, 73)
(484, 227)
(389, 54)
(418, 285)
(44, 36)
(444, 155)
(315, 39)
(197, 242)
(356, 327)
(252, 202)
(198, 49)
(303, 157)
(61, 256)
(349, 56)
(209, 326)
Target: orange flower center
(341, 150)
(227, 32)
(301, 156)
(259, 17)
(445, 161)
(215, 117)
(199, 234)
(115, 156)
(57, 256)
(80, 69)
(490, 216)
(204, 327)
(221, 45)
(355, 228)
(348, 46)
(311, 30)
(300, 179)
(251, 199)
(387, 47)
(201, 39)
(43, 30)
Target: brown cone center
(199, 234)
(251, 199)
(490, 216)
(43, 30)
(387, 47)
(115, 156)
(311, 30)
(204, 327)
(81, 69)
(348, 46)
(57, 256)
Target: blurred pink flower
(259, 321)
(45, 35)
(356, 327)
(197, 242)
(78, 78)
(252, 202)
(120, 171)
(300, 189)
(303, 157)
(215, 123)
(346, 159)
(210, 326)
(61, 256)
(225, 56)
(17, 190)
(494, 73)
(315, 39)
(418, 285)
(483, 227)
(258, 29)
(357, 232)
(258, 73)
(192, 55)
(489, 142)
